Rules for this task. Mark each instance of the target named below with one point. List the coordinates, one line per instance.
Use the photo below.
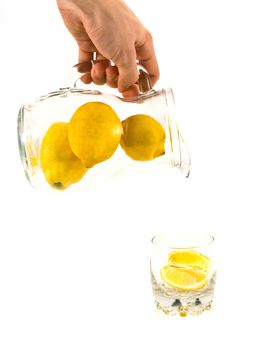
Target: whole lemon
(60, 165)
(94, 132)
(143, 137)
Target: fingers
(132, 91)
(127, 69)
(112, 81)
(86, 78)
(123, 77)
(128, 75)
(146, 56)
(85, 56)
(112, 76)
(98, 73)
(144, 52)
(103, 72)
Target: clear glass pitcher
(35, 119)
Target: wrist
(88, 6)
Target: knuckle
(127, 60)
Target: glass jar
(35, 118)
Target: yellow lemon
(143, 137)
(186, 270)
(192, 258)
(60, 165)
(94, 132)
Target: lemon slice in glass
(186, 270)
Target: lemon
(143, 137)
(192, 258)
(183, 279)
(94, 132)
(186, 270)
(60, 165)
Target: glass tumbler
(183, 273)
(35, 119)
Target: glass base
(170, 301)
(184, 309)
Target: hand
(110, 28)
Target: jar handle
(144, 81)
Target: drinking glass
(183, 273)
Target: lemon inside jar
(69, 149)
(59, 164)
(143, 137)
(94, 133)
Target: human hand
(110, 28)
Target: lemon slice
(189, 259)
(186, 270)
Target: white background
(74, 266)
